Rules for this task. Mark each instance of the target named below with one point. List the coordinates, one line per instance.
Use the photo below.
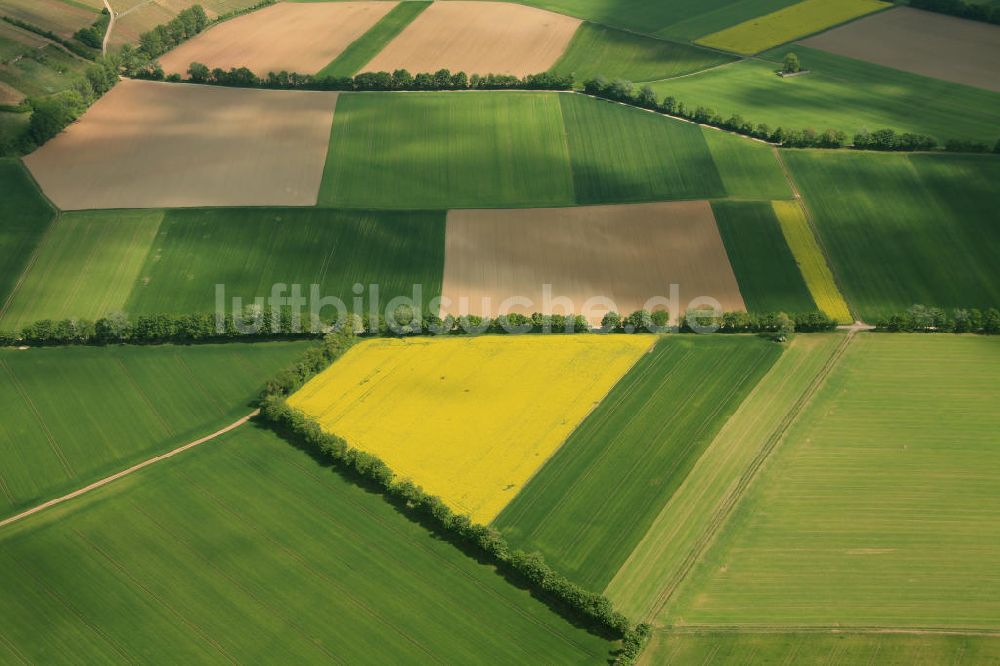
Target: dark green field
(447, 150)
(246, 550)
(683, 20)
(768, 276)
(73, 415)
(249, 250)
(589, 506)
(868, 96)
(624, 154)
(597, 50)
(905, 229)
(24, 217)
(366, 47)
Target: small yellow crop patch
(792, 22)
(469, 419)
(809, 256)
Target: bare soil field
(161, 145)
(920, 42)
(479, 38)
(295, 37)
(627, 254)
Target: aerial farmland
(480, 332)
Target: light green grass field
(360, 53)
(589, 506)
(765, 269)
(867, 96)
(880, 509)
(749, 169)
(797, 20)
(623, 154)
(76, 414)
(447, 150)
(690, 520)
(249, 250)
(905, 229)
(24, 217)
(840, 649)
(42, 72)
(598, 50)
(246, 550)
(87, 265)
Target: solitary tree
(792, 64)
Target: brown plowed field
(478, 38)
(921, 42)
(160, 145)
(627, 254)
(295, 37)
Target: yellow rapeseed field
(469, 419)
(792, 22)
(811, 261)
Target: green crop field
(366, 47)
(623, 154)
(589, 506)
(839, 649)
(249, 250)
(905, 229)
(868, 97)
(881, 507)
(246, 550)
(598, 50)
(152, 262)
(74, 414)
(749, 169)
(660, 561)
(447, 150)
(24, 217)
(683, 20)
(87, 265)
(766, 271)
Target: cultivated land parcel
(248, 550)
(443, 412)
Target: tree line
(967, 10)
(76, 46)
(93, 35)
(529, 569)
(401, 79)
(923, 319)
(266, 323)
(625, 92)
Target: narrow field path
(125, 472)
(827, 629)
(111, 25)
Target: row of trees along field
(625, 92)
(529, 569)
(266, 323)
(401, 79)
(922, 319)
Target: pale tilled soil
(161, 145)
(921, 42)
(627, 254)
(295, 37)
(478, 38)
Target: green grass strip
(366, 47)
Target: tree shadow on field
(436, 532)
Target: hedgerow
(529, 568)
